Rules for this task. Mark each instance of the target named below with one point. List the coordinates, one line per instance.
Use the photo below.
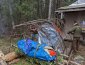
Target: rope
(35, 54)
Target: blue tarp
(33, 49)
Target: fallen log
(64, 55)
(10, 56)
(14, 61)
(70, 62)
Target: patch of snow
(78, 2)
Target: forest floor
(82, 52)
(5, 46)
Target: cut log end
(10, 56)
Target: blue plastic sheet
(33, 49)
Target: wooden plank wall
(70, 17)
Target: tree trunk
(50, 10)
